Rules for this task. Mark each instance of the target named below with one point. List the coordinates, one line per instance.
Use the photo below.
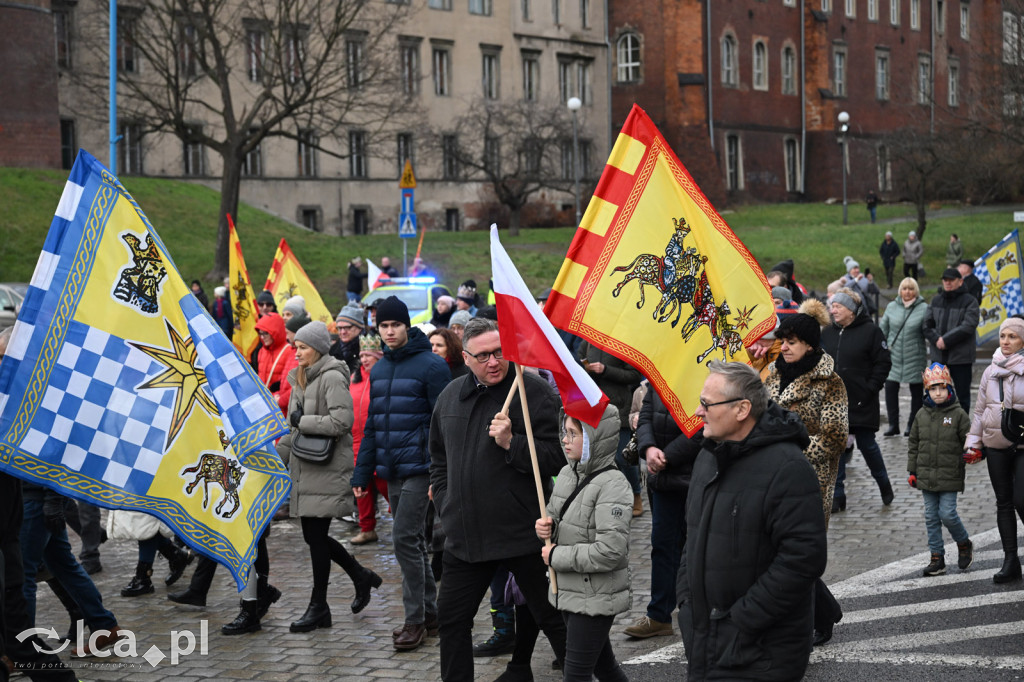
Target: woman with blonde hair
(903, 323)
(321, 406)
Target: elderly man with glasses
(483, 486)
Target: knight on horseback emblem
(215, 467)
(681, 277)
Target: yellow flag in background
(655, 276)
(287, 279)
(243, 302)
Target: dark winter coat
(936, 448)
(221, 312)
(355, 279)
(618, 380)
(862, 361)
(657, 429)
(755, 544)
(889, 251)
(486, 495)
(347, 353)
(953, 316)
(974, 286)
(404, 385)
(903, 329)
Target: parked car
(12, 294)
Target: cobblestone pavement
(865, 536)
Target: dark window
(308, 160)
(255, 47)
(130, 149)
(360, 221)
(252, 165)
(62, 35)
(405, 151)
(127, 34)
(68, 144)
(357, 154)
(733, 160)
(450, 159)
(193, 152)
(451, 220)
(311, 219)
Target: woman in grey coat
(321, 405)
(589, 515)
(902, 325)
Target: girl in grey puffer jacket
(589, 511)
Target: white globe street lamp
(574, 105)
(844, 126)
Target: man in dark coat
(483, 485)
(889, 251)
(951, 326)
(404, 386)
(350, 323)
(971, 282)
(862, 361)
(755, 539)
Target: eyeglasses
(570, 435)
(346, 327)
(485, 356)
(706, 405)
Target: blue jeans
(872, 455)
(668, 534)
(939, 511)
(631, 472)
(408, 498)
(39, 545)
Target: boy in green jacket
(936, 466)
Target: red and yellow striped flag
(287, 279)
(655, 276)
(243, 302)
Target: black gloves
(295, 416)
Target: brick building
(748, 91)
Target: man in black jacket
(483, 487)
(889, 251)
(862, 361)
(951, 325)
(755, 536)
(971, 282)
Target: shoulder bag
(313, 449)
(1011, 422)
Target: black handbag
(1011, 422)
(313, 449)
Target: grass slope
(185, 215)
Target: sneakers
(966, 554)
(644, 627)
(936, 567)
(351, 518)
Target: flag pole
(511, 393)
(533, 460)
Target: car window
(5, 300)
(414, 299)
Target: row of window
(360, 218)
(895, 7)
(734, 178)
(526, 8)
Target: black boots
(936, 567)
(317, 615)
(838, 503)
(363, 580)
(177, 561)
(141, 583)
(893, 430)
(1010, 570)
(887, 494)
(503, 638)
(247, 620)
(965, 554)
(266, 594)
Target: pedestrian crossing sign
(407, 225)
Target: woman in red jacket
(274, 356)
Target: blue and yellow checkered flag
(1000, 274)
(119, 389)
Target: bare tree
(516, 149)
(251, 70)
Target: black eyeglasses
(720, 402)
(485, 356)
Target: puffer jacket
(912, 251)
(953, 316)
(404, 386)
(132, 525)
(591, 560)
(618, 379)
(274, 362)
(755, 544)
(321, 490)
(862, 361)
(818, 397)
(902, 326)
(935, 453)
(657, 429)
(987, 410)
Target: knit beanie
(265, 297)
(315, 336)
(783, 293)
(1015, 325)
(851, 264)
(297, 322)
(220, 291)
(296, 305)
(460, 317)
(352, 314)
(845, 300)
(801, 326)
(392, 309)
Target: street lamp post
(844, 126)
(574, 105)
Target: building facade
(448, 55)
(749, 91)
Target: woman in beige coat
(321, 405)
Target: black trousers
(892, 402)
(323, 549)
(961, 375)
(464, 587)
(588, 651)
(1006, 470)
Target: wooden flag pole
(511, 394)
(536, 465)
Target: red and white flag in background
(529, 339)
(375, 276)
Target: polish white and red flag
(375, 276)
(529, 339)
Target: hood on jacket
(326, 363)
(600, 444)
(417, 343)
(950, 402)
(776, 425)
(273, 324)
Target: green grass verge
(185, 215)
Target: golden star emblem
(994, 293)
(182, 375)
(743, 317)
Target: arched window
(627, 51)
(760, 66)
(730, 67)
